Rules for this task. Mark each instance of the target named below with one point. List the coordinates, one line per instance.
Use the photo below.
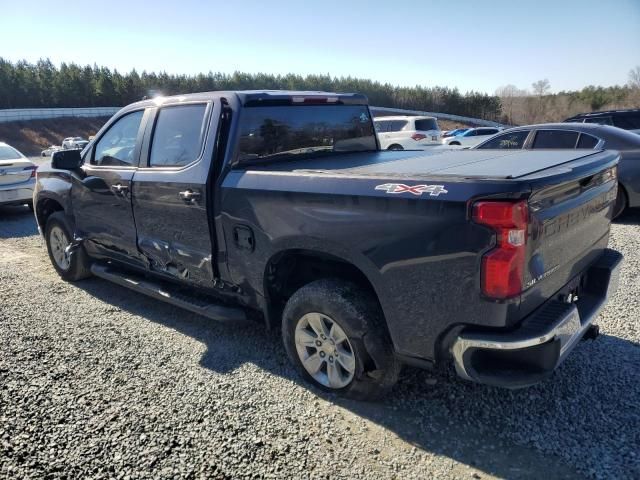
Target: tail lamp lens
(503, 266)
(33, 171)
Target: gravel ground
(99, 382)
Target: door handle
(119, 188)
(190, 196)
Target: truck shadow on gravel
(12, 222)
(631, 216)
(578, 413)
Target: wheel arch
(292, 268)
(44, 207)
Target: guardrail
(22, 114)
(445, 116)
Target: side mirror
(66, 159)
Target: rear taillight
(418, 136)
(503, 266)
(33, 171)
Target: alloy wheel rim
(59, 247)
(325, 351)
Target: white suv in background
(472, 136)
(407, 132)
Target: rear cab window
(286, 132)
(555, 139)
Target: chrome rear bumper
(543, 340)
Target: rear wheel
(71, 263)
(621, 202)
(395, 146)
(334, 334)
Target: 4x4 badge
(432, 190)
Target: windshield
(9, 153)
(293, 131)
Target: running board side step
(169, 293)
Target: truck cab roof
(259, 97)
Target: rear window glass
(555, 139)
(9, 153)
(507, 141)
(587, 141)
(426, 124)
(293, 131)
(177, 138)
(628, 122)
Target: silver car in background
(17, 177)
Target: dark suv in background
(626, 119)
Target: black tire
(621, 202)
(455, 143)
(358, 314)
(395, 146)
(79, 265)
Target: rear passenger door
(170, 196)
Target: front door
(170, 194)
(102, 200)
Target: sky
(472, 46)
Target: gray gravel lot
(98, 382)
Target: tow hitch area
(529, 354)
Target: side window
(382, 127)
(397, 125)
(628, 122)
(599, 120)
(470, 133)
(507, 141)
(555, 139)
(117, 146)
(587, 141)
(177, 136)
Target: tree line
(522, 106)
(43, 84)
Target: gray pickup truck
(279, 208)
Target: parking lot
(96, 381)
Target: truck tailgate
(570, 210)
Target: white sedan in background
(471, 137)
(407, 132)
(17, 177)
